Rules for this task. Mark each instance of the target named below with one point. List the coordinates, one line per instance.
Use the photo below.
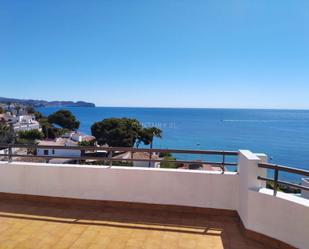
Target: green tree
(146, 135)
(6, 134)
(1, 110)
(87, 143)
(168, 165)
(47, 128)
(38, 115)
(26, 141)
(64, 119)
(30, 110)
(18, 108)
(49, 131)
(30, 135)
(116, 132)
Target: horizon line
(180, 107)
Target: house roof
(49, 143)
(210, 167)
(125, 155)
(58, 142)
(88, 138)
(144, 155)
(84, 136)
(136, 155)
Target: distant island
(44, 103)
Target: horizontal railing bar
(125, 149)
(284, 168)
(284, 183)
(122, 159)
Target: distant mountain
(44, 103)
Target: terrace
(87, 206)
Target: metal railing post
(10, 153)
(276, 181)
(110, 155)
(132, 157)
(150, 157)
(223, 163)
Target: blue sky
(165, 53)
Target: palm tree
(154, 132)
(146, 135)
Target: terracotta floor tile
(31, 226)
(9, 244)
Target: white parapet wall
(144, 185)
(284, 217)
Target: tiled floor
(29, 225)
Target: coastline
(282, 135)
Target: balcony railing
(110, 151)
(276, 181)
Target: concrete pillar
(248, 171)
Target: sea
(281, 134)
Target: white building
(77, 136)
(34, 125)
(22, 122)
(58, 152)
(10, 118)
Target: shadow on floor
(226, 227)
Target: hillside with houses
(44, 103)
(24, 125)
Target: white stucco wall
(284, 217)
(248, 172)
(59, 152)
(6, 151)
(145, 185)
(27, 126)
